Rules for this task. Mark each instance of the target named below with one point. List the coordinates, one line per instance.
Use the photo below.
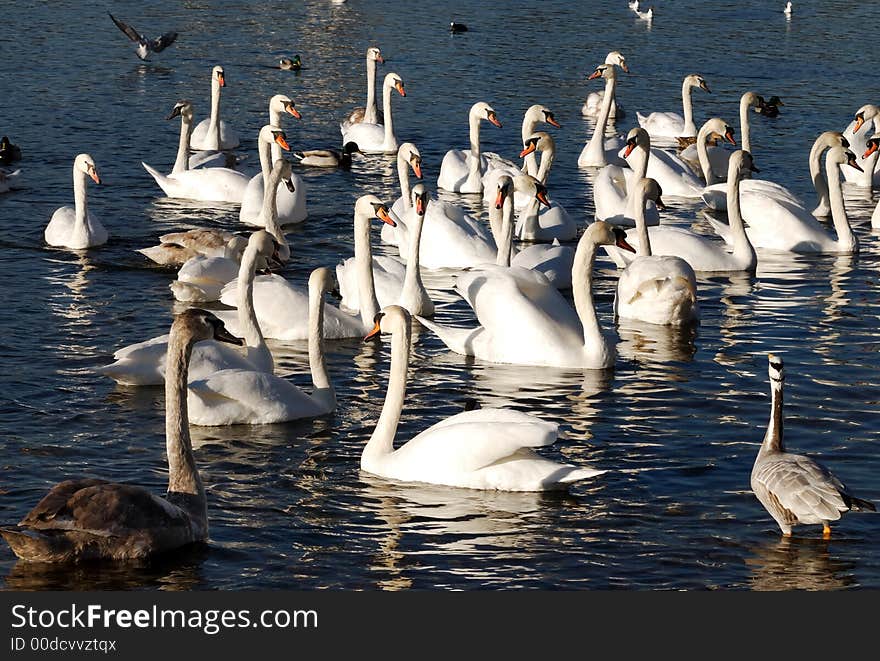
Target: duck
(238, 396)
(327, 158)
(88, 519)
(369, 113)
(212, 184)
(75, 227)
(214, 134)
(771, 107)
(280, 305)
(788, 9)
(145, 363)
(462, 170)
(524, 320)
(593, 103)
(145, 47)
(290, 63)
(291, 204)
(394, 284)
(9, 153)
(375, 138)
(599, 149)
(175, 248)
(701, 252)
(670, 125)
(655, 289)
(457, 28)
(793, 488)
(488, 448)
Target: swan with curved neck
(370, 112)
(714, 127)
(214, 134)
(144, 363)
(526, 321)
(593, 103)
(215, 184)
(542, 220)
(656, 289)
(374, 138)
(857, 135)
(253, 397)
(279, 106)
(480, 449)
(462, 169)
(280, 306)
(701, 252)
(593, 153)
(825, 141)
(291, 206)
(536, 114)
(614, 188)
(91, 519)
(74, 227)
(671, 125)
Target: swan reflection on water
(798, 563)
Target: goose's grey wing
(803, 487)
(161, 43)
(126, 28)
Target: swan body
(793, 488)
(462, 169)
(372, 137)
(593, 104)
(656, 289)
(290, 202)
(614, 188)
(144, 363)
(524, 320)
(369, 113)
(175, 248)
(92, 519)
(676, 177)
(542, 220)
(598, 149)
(242, 396)
(490, 449)
(8, 180)
(671, 125)
(201, 278)
(74, 227)
(214, 134)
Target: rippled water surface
(678, 420)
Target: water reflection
(798, 563)
(651, 343)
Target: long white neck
(322, 389)
(405, 189)
(186, 127)
(390, 141)
(595, 343)
(371, 112)
(214, 125)
(183, 476)
(743, 250)
(868, 166)
(275, 119)
(703, 155)
(596, 149)
(687, 107)
(363, 261)
(381, 443)
(269, 214)
(257, 351)
(639, 163)
(504, 235)
(80, 201)
(773, 438)
(413, 287)
(744, 124)
(547, 157)
(264, 149)
(846, 240)
(817, 175)
(875, 217)
(475, 173)
(641, 225)
(530, 166)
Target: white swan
(370, 112)
(481, 449)
(373, 138)
(873, 146)
(536, 114)
(777, 225)
(175, 248)
(825, 141)
(542, 220)
(255, 397)
(74, 227)
(599, 149)
(869, 176)
(144, 363)
(701, 252)
(214, 184)
(656, 289)
(524, 320)
(408, 156)
(614, 187)
(213, 133)
(280, 306)
(593, 103)
(394, 284)
(290, 203)
(188, 159)
(92, 519)
(671, 125)
(462, 169)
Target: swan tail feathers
(580, 473)
(721, 229)
(458, 340)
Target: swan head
(482, 110)
(265, 246)
(539, 113)
(605, 71)
(285, 171)
(527, 184)
(740, 162)
(85, 163)
(718, 127)
(218, 76)
(283, 103)
(840, 156)
(776, 368)
(182, 108)
(235, 247)
(872, 145)
(541, 140)
(396, 82)
(409, 153)
(696, 80)
(322, 279)
(419, 195)
(197, 325)
(606, 234)
(274, 134)
(370, 206)
(651, 190)
(615, 57)
(388, 320)
(374, 54)
(864, 114)
(504, 188)
(637, 137)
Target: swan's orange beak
(542, 198)
(860, 122)
(630, 146)
(420, 206)
(552, 122)
(624, 67)
(281, 140)
(399, 87)
(293, 111)
(417, 168)
(622, 242)
(221, 78)
(380, 59)
(499, 199)
(382, 214)
(872, 147)
(93, 173)
(531, 147)
(373, 333)
(729, 136)
(595, 74)
(492, 117)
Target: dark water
(678, 421)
